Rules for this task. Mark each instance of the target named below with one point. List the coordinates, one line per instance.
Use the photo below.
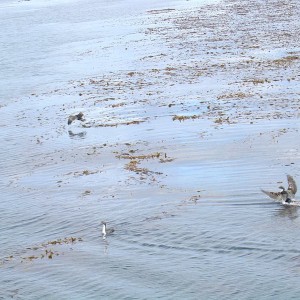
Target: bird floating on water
(284, 196)
(106, 231)
(75, 117)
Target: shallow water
(190, 222)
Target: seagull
(284, 196)
(106, 231)
(75, 117)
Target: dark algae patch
(48, 250)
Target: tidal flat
(190, 108)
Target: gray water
(196, 227)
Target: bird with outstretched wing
(285, 195)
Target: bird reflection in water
(79, 135)
(289, 211)
(105, 246)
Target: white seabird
(106, 231)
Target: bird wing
(273, 195)
(71, 119)
(110, 230)
(292, 184)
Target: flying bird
(285, 195)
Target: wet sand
(187, 115)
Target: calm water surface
(200, 230)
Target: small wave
(293, 203)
